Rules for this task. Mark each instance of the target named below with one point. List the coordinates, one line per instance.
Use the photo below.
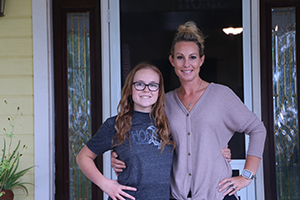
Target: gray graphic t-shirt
(147, 168)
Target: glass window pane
(286, 127)
(79, 98)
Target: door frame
(44, 87)
(252, 86)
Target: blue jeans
(232, 197)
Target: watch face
(247, 173)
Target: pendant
(188, 106)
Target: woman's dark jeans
(227, 197)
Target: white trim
(256, 84)
(115, 54)
(43, 100)
(105, 67)
(115, 59)
(247, 70)
(111, 68)
(252, 76)
(247, 54)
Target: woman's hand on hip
(233, 184)
(116, 164)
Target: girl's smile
(144, 99)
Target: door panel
(79, 98)
(280, 103)
(77, 74)
(285, 102)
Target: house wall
(16, 80)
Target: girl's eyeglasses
(141, 86)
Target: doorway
(147, 31)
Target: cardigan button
(187, 114)
(189, 154)
(190, 174)
(189, 133)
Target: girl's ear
(171, 60)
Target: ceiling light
(233, 31)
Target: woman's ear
(171, 60)
(202, 60)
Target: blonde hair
(125, 109)
(189, 32)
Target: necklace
(188, 105)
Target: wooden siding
(16, 80)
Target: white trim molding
(256, 85)
(252, 77)
(247, 69)
(43, 100)
(111, 68)
(105, 65)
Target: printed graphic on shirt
(145, 136)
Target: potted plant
(10, 175)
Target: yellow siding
(17, 8)
(16, 80)
(16, 85)
(20, 66)
(16, 46)
(14, 25)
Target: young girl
(141, 137)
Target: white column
(43, 100)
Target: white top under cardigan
(202, 133)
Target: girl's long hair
(125, 109)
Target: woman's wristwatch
(248, 174)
